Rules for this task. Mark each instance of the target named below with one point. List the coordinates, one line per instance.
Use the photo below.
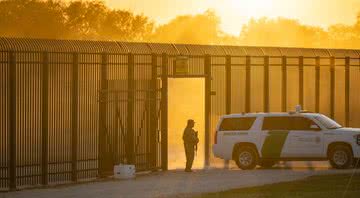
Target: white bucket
(124, 171)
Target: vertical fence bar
(164, 113)
(284, 84)
(301, 81)
(12, 120)
(153, 113)
(332, 87)
(207, 70)
(130, 110)
(228, 91)
(347, 91)
(45, 119)
(74, 117)
(102, 115)
(228, 84)
(247, 84)
(317, 84)
(266, 85)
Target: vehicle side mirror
(315, 127)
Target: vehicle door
(306, 138)
(275, 131)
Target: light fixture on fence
(181, 65)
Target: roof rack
(302, 111)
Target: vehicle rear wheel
(246, 158)
(267, 163)
(341, 157)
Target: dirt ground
(175, 183)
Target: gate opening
(186, 100)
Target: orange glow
(235, 13)
(186, 101)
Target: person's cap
(191, 121)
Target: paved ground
(174, 183)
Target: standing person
(191, 140)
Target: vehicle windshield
(327, 122)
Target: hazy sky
(234, 13)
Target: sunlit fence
(70, 110)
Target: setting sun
(256, 8)
(235, 13)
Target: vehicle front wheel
(267, 163)
(246, 158)
(341, 157)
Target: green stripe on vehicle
(274, 144)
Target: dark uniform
(190, 141)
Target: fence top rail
(138, 48)
(175, 56)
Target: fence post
(130, 111)
(12, 120)
(284, 84)
(301, 81)
(153, 113)
(45, 119)
(228, 83)
(266, 85)
(102, 115)
(207, 70)
(347, 91)
(74, 116)
(248, 84)
(228, 93)
(164, 112)
(317, 84)
(332, 87)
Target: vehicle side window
(237, 124)
(288, 123)
(302, 124)
(276, 123)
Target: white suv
(265, 138)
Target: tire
(356, 163)
(267, 163)
(246, 157)
(341, 157)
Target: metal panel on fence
(4, 121)
(28, 114)
(59, 117)
(238, 82)
(218, 100)
(275, 84)
(88, 86)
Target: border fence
(70, 110)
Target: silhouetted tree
(282, 32)
(199, 29)
(32, 18)
(124, 25)
(345, 36)
(92, 19)
(73, 20)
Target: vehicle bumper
(356, 151)
(216, 151)
(221, 152)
